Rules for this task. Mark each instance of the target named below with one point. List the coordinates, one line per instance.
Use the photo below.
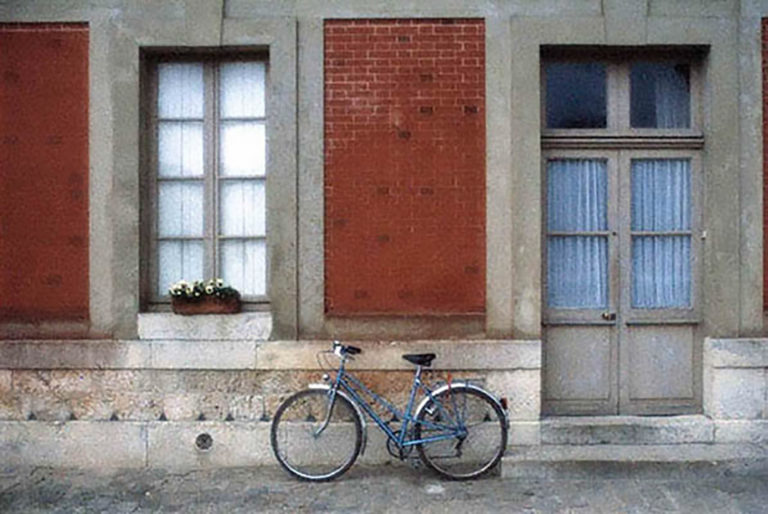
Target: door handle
(608, 316)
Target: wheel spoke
(311, 444)
(482, 421)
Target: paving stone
(365, 489)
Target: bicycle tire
(486, 439)
(303, 453)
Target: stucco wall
(292, 32)
(46, 376)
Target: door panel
(575, 352)
(580, 293)
(660, 362)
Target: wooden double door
(621, 293)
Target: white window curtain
(180, 189)
(577, 267)
(242, 183)
(672, 97)
(661, 241)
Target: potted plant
(198, 297)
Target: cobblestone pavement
(381, 489)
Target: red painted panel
(405, 166)
(43, 172)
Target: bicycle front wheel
(480, 429)
(308, 447)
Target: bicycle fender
(461, 385)
(359, 413)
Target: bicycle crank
(399, 452)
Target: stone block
(81, 354)
(627, 430)
(172, 445)
(94, 407)
(521, 388)
(137, 406)
(524, 433)
(741, 431)
(387, 355)
(621, 28)
(44, 408)
(214, 406)
(246, 407)
(252, 326)
(686, 8)
(737, 353)
(10, 353)
(5, 382)
(737, 393)
(181, 406)
(211, 354)
(123, 380)
(9, 408)
(74, 444)
(587, 462)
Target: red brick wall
(43, 171)
(405, 166)
(765, 162)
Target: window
(207, 173)
(620, 95)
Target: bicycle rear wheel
(303, 447)
(475, 451)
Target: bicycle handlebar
(341, 350)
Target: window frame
(618, 131)
(151, 298)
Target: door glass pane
(180, 209)
(575, 95)
(178, 260)
(180, 149)
(661, 262)
(660, 95)
(577, 272)
(577, 265)
(243, 209)
(243, 149)
(242, 89)
(577, 195)
(661, 272)
(661, 194)
(180, 90)
(244, 265)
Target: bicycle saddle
(420, 359)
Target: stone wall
(736, 388)
(143, 403)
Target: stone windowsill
(245, 326)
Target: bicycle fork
(329, 411)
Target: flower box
(205, 305)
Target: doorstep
(583, 462)
(632, 446)
(632, 430)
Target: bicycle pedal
(415, 462)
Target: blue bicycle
(459, 429)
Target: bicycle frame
(357, 391)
